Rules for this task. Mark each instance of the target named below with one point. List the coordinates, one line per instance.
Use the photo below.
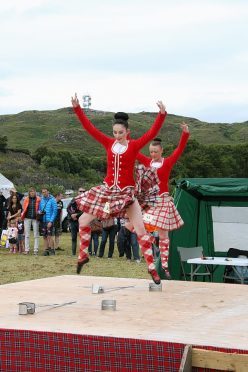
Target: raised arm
(182, 144)
(155, 128)
(86, 123)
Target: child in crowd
(12, 236)
(21, 236)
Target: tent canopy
(215, 214)
(5, 185)
(216, 187)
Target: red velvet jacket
(120, 167)
(166, 164)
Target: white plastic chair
(193, 252)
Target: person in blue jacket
(47, 214)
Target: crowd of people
(20, 215)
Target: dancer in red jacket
(116, 196)
(163, 215)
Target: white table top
(229, 261)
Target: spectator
(58, 222)
(96, 230)
(20, 237)
(47, 213)
(14, 208)
(126, 241)
(2, 210)
(73, 215)
(108, 231)
(13, 192)
(30, 209)
(12, 233)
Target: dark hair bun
(157, 139)
(121, 116)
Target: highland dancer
(162, 214)
(116, 196)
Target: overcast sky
(126, 54)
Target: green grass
(19, 267)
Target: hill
(51, 147)
(60, 130)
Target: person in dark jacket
(73, 214)
(2, 210)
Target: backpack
(96, 225)
(107, 224)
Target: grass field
(19, 267)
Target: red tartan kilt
(146, 188)
(103, 202)
(164, 214)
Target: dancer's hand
(75, 101)
(161, 107)
(184, 127)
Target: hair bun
(157, 139)
(121, 116)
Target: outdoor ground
(19, 267)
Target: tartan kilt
(104, 203)
(147, 186)
(163, 215)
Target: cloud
(125, 53)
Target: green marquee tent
(215, 214)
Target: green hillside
(51, 147)
(61, 130)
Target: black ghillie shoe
(155, 276)
(80, 264)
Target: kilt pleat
(104, 202)
(163, 214)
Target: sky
(127, 55)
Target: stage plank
(211, 314)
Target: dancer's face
(120, 133)
(155, 152)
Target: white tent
(5, 185)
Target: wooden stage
(211, 314)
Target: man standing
(30, 208)
(58, 222)
(109, 231)
(74, 213)
(47, 212)
(2, 211)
